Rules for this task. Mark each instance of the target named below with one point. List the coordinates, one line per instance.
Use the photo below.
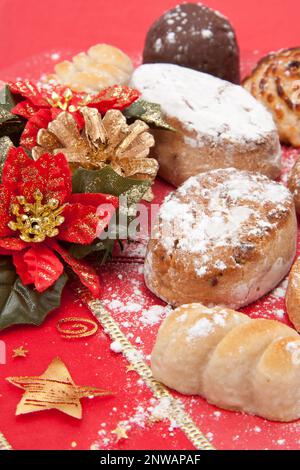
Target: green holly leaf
(150, 113)
(5, 145)
(107, 181)
(7, 103)
(10, 124)
(21, 304)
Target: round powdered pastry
(220, 125)
(196, 37)
(225, 237)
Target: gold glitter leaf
(150, 113)
(107, 181)
(5, 145)
(10, 124)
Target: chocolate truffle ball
(197, 37)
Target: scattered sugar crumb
(281, 442)
(116, 347)
(154, 314)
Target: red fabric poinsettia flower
(41, 105)
(38, 209)
(115, 97)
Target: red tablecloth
(33, 35)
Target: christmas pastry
(294, 184)
(234, 362)
(194, 36)
(102, 66)
(219, 124)
(293, 295)
(276, 83)
(225, 237)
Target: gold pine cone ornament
(102, 141)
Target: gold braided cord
(4, 445)
(177, 411)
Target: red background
(33, 27)
(29, 31)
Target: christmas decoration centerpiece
(66, 156)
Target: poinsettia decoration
(38, 211)
(49, 220)
(40, 105)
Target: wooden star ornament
(54, 389)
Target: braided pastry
(276, 83)
(102, 66)
(233, 361)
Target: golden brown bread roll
(294, 184)
(275, 82)
(225, 237)
(233, 361)
(293, 295)
(219, 125)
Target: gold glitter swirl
(79, 327)
(177, 411)
(4, 445)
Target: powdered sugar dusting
(206, 33)
(203, 103)
(154, 314)
(202, 327)
(222, 209)
(205, 326)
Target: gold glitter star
(54, 389)
(130, 368)
(20, 352)
(120, 432)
